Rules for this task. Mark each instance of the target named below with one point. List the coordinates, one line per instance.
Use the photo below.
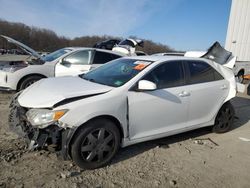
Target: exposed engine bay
(12, 66)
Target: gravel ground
(194, 159)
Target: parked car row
(88, 117)
(126, 46)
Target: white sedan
(126, 101)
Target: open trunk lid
(221, 56)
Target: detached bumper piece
(52, 138)
(48, 138)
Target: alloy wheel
(225, 118)
(98, 145)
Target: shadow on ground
(242, 109)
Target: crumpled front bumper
(52, 138)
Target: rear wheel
(95, 144)
(224, 119)
(29, 81)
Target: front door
(75, 64)
(154, 113)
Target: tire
(240, 76)
(224, 119)
(95, 144)
(29, 81)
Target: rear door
(208, 90)
(74, 64)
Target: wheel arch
(242, 70)
(225, 103)
(26, 76)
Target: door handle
(223, 87)
(184, 94)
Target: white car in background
(126, 101)
(128, 46)
(19, 74)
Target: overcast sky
(181, 24)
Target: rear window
(103, 57)
(127, 42)
(200, 72)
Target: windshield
(54, 55)
(117, 72)
(127, 42)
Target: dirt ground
(184, 160)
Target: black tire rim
(98, 145)
(225, 119)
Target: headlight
(12, 69)
(41, 118)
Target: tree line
(47, 40)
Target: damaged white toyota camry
(127, 101)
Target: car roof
(163, 58)
(96, 49)
(171, 53)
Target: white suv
(19, 73)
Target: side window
(201, 72)
(217, 76)
(79, 58)
(103, 57)
(169, 74)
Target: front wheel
(29, 81)
(224, 119)
(95, 144)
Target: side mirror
(146, 85)
(65, 63)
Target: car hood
(22, 46)
(48, 92)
